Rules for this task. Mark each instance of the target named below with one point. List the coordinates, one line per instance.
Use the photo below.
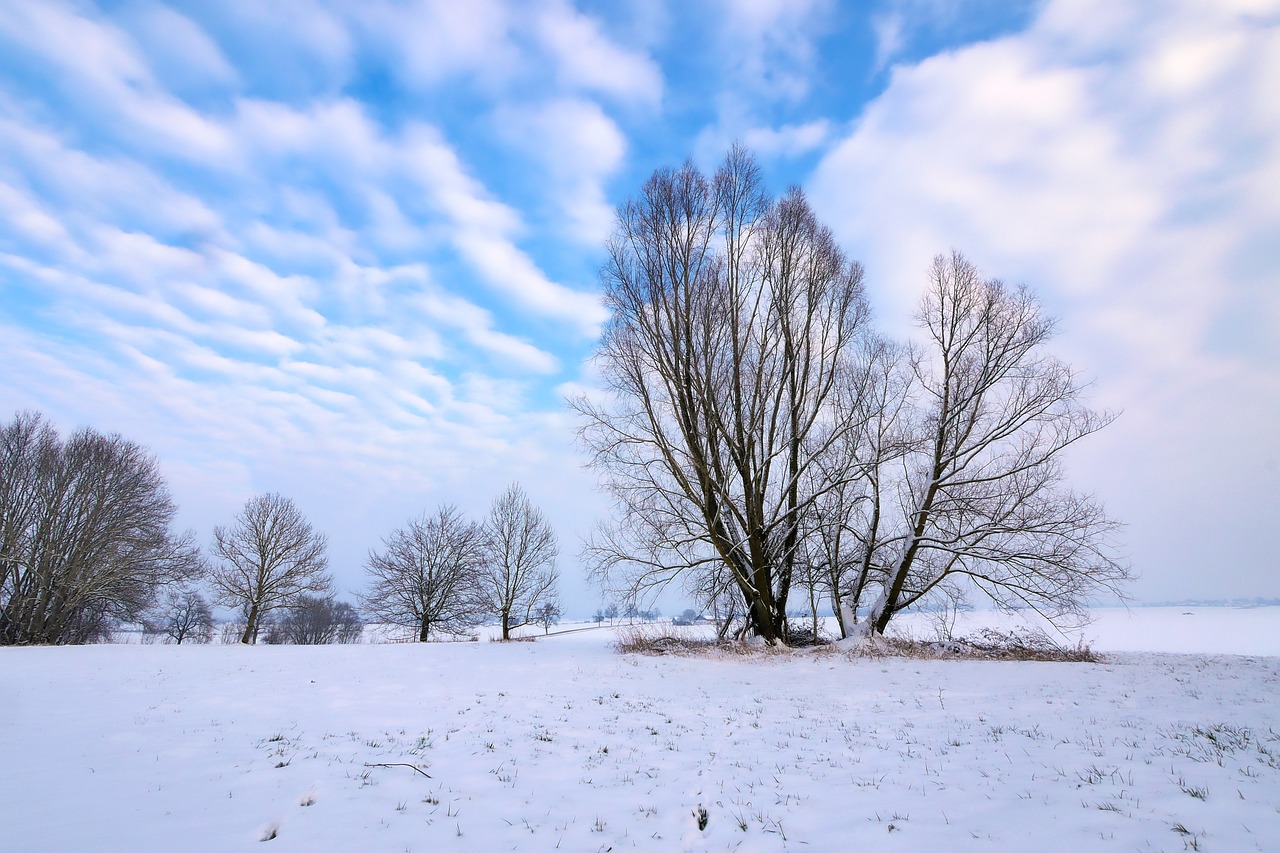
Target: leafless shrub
(315, 621)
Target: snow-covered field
(564, 744)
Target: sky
(348, 252)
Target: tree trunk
(250, 635)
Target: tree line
(86, 543)
(760, 440)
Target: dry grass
(988, 644)
(665, 640)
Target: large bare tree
(734, 319)
(979, 500)
(426, 576)
(519, 574)
(269, 557)
(84, 533)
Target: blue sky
(347, 251)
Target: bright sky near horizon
(347, 251)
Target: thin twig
(398, 764)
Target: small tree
(426, 576)
(548, 615)
(185, 615)
(270, 556)
(315, 620)
(520, 573)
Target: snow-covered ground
(564, 744)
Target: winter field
(565, 744)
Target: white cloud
(789, 140)
(182, 53)
(589, 60)
(100, 65)
(577, 147)
(888, 28)
(476, 324)
(770, 44)
(79, 187)
(483, 235)
(1121, 161)
(291, 48)
(216, 249)
(767, 52)
(434, 40)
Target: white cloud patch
(100, 66)
(770, 44)
(767, 52)
(181, 53)
(434, 40)
(1121, 161)
(483, 235)
(790, 140)
(587, 59)
(578, 147)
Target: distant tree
(688, 617)
(230, 632)
(85, 537)
(611, 613)
(548, 614)
(184, 615)
(270, 557)
(519, 572)
(314, 620)
(598, 617)
(427, 576)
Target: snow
(565, 744)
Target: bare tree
(980, 497)
(734, 318)
(520, 573)
(85, 534)
(426, 577)
(184, 615)
(548, 614)
(270, 556)
(315, 620)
